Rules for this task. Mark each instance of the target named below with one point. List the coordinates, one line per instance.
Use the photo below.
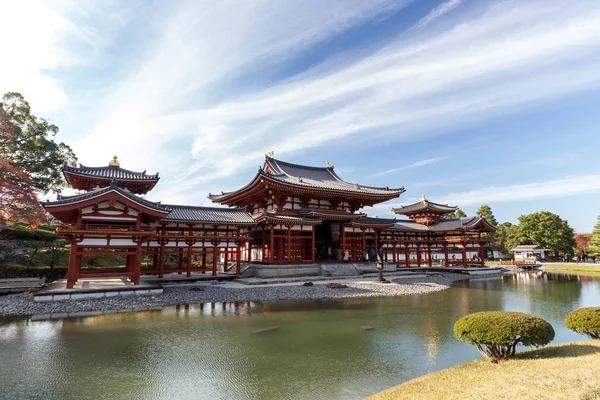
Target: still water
(316, 349)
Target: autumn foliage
(18, 201)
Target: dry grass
(574, 268)
(564, 371)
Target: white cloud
(413, 165)
(496, 58)
(529, 191)
(438, 12)
(40, 37)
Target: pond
(283, 350)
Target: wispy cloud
(413, 165)
(178, 106)
(529, 191)
(438, 12)
(41, 37)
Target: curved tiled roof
(287, 218)
(318, 178)
(372, 221)
(422, 205)
(63, 200)
(208, 214)
(110, 172)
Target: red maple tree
(18, 201)
(582, 241)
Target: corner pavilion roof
(110, 172)
(447, 225)
(307, 178)
(172, 213)
(66, 200)
(424, 205)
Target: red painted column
(289, 244)
(238, 258)
(446, 254)
(313, 244)
(137, 263)
(481, 255)
(464, 254)
(272, 245)
(188, 273)
(429, 254)
(407, 256)
(215, 254)
(161, 260)
(418, 256)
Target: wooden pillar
(343, 228)
(446, 254)
(313, 243)
(180, 259)
(226, 257)
(264, 244)
(289, 244)
(364, 240)
(215, 249)
(203, 256)
(429, 253)
(161, 260)
(137, 263)
(395, 250)
(464, 254)
(71, 270)
(406, 256)
(418, 256)
(188, 273)
(238, 256)
(481, 255)
(272, 245)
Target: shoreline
(561, 370)
(201, 292)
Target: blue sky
(467, 101)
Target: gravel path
(23, 303)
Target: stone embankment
(23, 303)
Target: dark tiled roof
(287, 218)
(319, 178)
(61, 200)
(407, 225)
(208, 214)
(110, 172)
(323, 178)
(370, 221)
(330, 214)
(424, 204)
(525, 247)
(457, 224)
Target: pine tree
(486, 212)
(594, 245)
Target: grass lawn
(572, 267)
(563, 371)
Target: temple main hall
(286, 214)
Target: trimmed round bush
(496, 334)
(585, 321)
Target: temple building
(287, 214)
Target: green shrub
(585, 321)
(496, 334)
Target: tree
(456, 214)
(32, 147)
(582, 242)
(547, 230)
(486, 212)
(506, 237)
(18, 201)
(594, 245)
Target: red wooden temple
(287, 214)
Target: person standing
(346, 256)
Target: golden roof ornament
(423, 198)
(328, 163)
(271, 153)
(114, 162)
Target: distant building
(523, 252)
